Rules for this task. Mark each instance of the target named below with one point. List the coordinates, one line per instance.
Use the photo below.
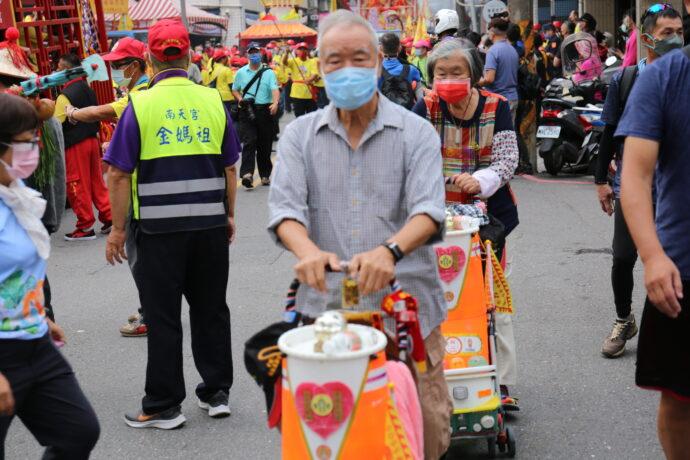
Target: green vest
(179, 182)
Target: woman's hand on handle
(466, 183)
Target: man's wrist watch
(393, 247)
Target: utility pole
(183, 13)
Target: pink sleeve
(630, 57)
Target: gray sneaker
(614, 345)
(217, 406)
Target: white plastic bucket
(330, 384)
(452, 257)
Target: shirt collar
(169, 73)
(142, 80)
(642, 64)
(386, 115)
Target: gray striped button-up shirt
(352, 201)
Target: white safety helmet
(446, 20)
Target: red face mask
(302, 54)
(453, 91)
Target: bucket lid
(299, 343)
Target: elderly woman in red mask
(480, 154)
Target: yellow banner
(115, 6)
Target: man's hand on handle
(664, 285)
(374, 269)
(311, 269)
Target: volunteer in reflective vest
(173, 154)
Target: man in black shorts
(657, 131)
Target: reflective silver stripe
(181, 210)
(181, 186)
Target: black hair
(513, 33)
(17, 115)
(538, 41)
(590, 21)
(71, 59)
(474, 37)
(499, 24)
(390, 44)
(571, 26)
(632, 14)
(649, 20)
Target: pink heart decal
(451, 261)
(324, 407)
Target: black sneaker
(166, 420)
(106, 228)
(265, 181)
(217, 406)
(248, 181)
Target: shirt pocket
(386, 197)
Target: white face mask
(119, 77)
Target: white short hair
(345, 18)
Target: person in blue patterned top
(36, 382)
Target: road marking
(539, 180)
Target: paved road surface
(576, 405)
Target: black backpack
(397, 88)
(529, 84)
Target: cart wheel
(491, 444)
(511, 443)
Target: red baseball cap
(126, 47)
(302, 45)
(168, 40)
(219, 54)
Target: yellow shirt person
(223, 77)
(302, 70)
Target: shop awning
(151, 10)
(270, 30)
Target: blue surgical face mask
(418, 52)
(255, 58)
(351, 87)
(119, 77)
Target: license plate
(549, 132)
(587, 138)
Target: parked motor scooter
(570, 127)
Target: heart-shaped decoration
(451, 261)
(324, 407)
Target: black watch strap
(395, 250)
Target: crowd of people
(459, 106)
